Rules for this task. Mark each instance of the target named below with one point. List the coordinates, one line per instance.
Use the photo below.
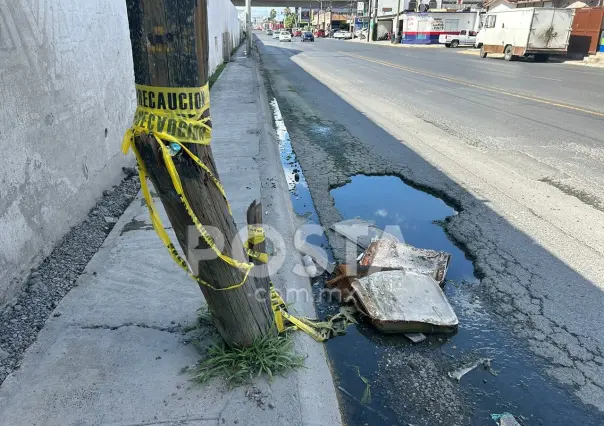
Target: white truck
(464, 38)
(535, 31)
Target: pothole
(409, 382)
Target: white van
(535, 31)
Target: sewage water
(519, 386)
(408, 382)
(299, 192)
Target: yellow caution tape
(281, 314)
(177, 103)
(255, 234)
(175, 115)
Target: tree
(170, 50)
(287, 11)
(290, 21)
(272, 15)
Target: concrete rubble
(396, 285)
(403, 302)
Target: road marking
(486, 88)
(544, 78)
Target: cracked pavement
(535, 244)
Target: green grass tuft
(270, 356)
(216, 74)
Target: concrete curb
(553, 60)
(387, 43)
(316, 390)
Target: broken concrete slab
(387, 254)
(361, 232)
(415, 337)
(405, 302)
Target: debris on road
(351, 396)
(505, 419)
(345, 275)
(309, 266)
(458, 374)
(397, 285)
(405, 302)
(415, 337)
(366, 398)
(387, 254)
(318, 256)
(361, 232)
(335, 325)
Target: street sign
(360, 7)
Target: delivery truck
(535, 31)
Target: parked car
(343, 34)
(285, 35)
(362, 33)
(269, 32)
(464, 38)
(535, 31)
(276, 34)
(297, 32)
(319, 33)
(307, 36)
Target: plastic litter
(361, 232)
(309, 266)
(505, 419)
(459, 373)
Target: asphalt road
(517, 149)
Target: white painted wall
(222, 18)
(66, 76)
(67, 96)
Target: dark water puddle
(298, 188)
(409, 381)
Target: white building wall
(67, 96)
(393, 4)
(501, 6)
(222, 18)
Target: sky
(263, 12)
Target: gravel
(49, 283)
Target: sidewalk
(116, 351)
(554, 59)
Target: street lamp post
(248, 24)
(398, 17)
(369, 22)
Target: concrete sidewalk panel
(129, 375)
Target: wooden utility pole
(170, 49)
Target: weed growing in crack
(270, 356)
